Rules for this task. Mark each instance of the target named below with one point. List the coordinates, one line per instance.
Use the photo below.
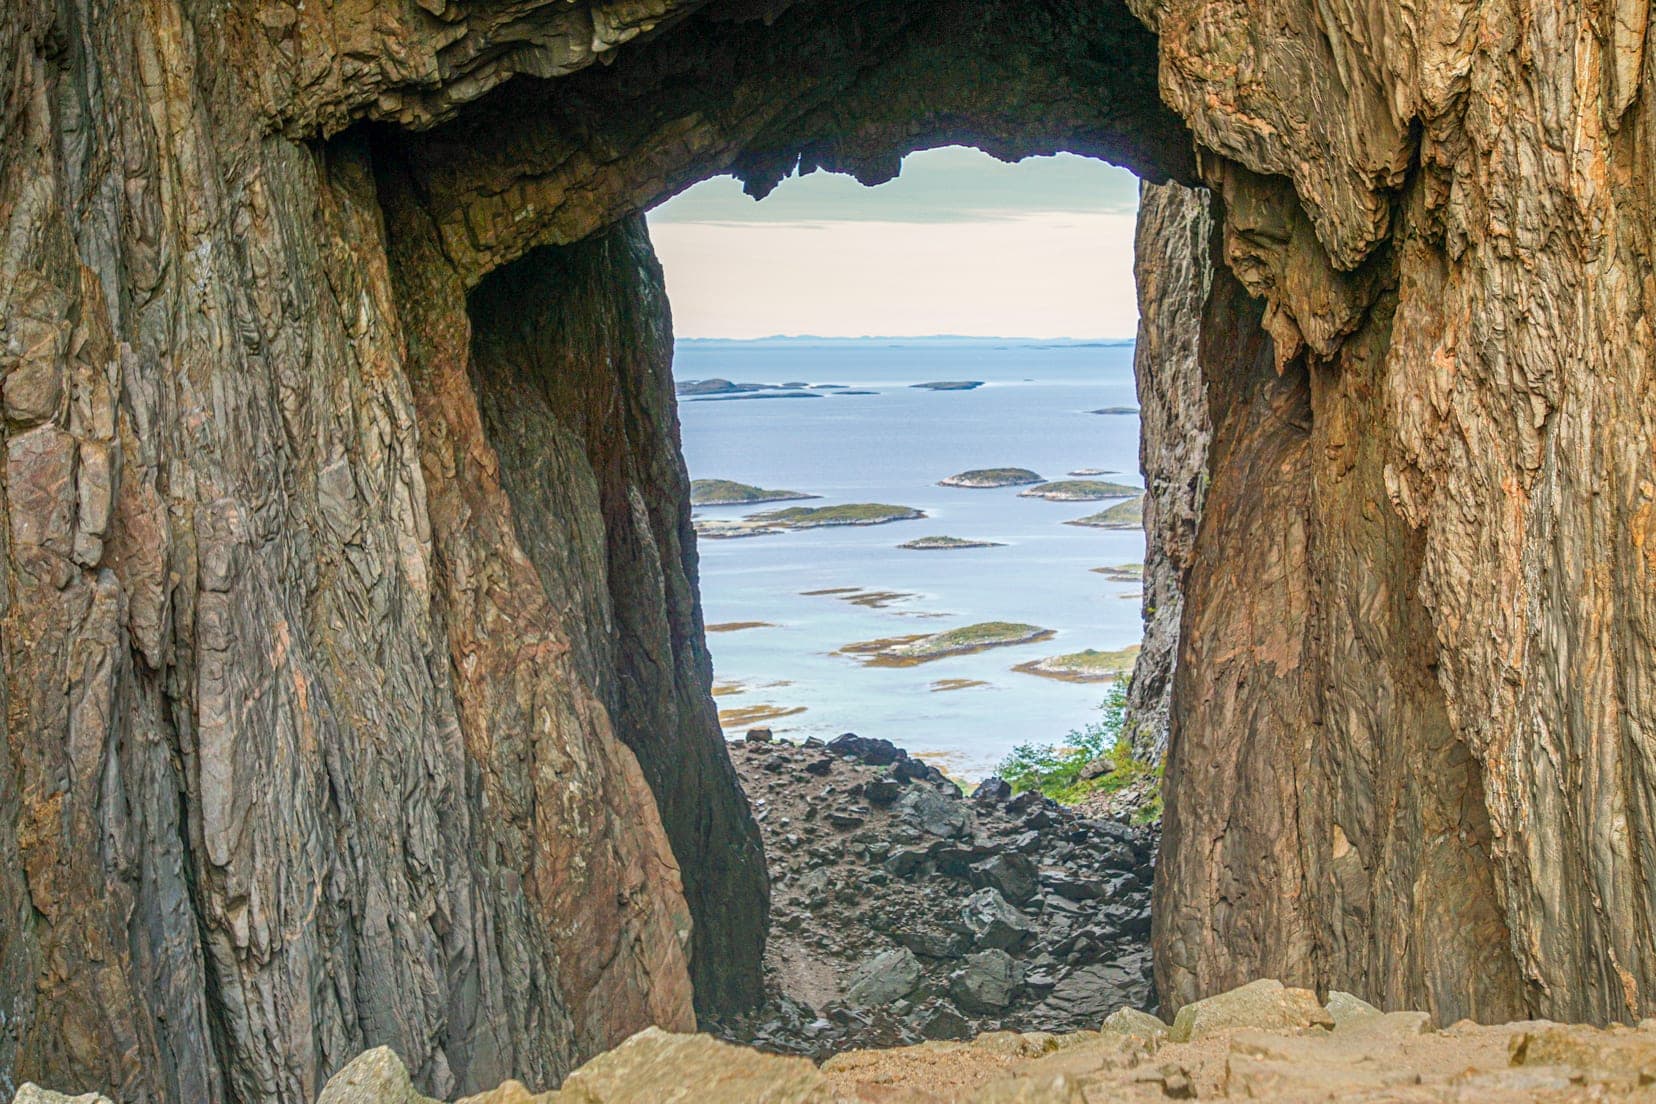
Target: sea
(1033, 410)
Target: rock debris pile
(903, 911)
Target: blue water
(893, 447)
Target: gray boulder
(986, 982)
(933, 813)
(884, 978)
(995, 923)
(1012, 874)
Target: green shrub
(1056, 770)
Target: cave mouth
(590, 410)
(539, 351)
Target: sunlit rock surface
(1262, 1042)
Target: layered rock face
(1173, 270)
(1412, 710)
(352, 684)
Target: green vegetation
(991, 477)
(1081, 490)
(851, 513)
(1122, 573)
(1123, 515)
(727, 492)
(1057, 771)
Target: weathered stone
(1344, 1008)
(1259, 1004)
(30, 1093)
(884, 978)
(994, 922)
(1130, 1021)
(655, 1067)
(986, 981)
(375, 1076)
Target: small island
(1081, 490)
(739, 626)
(861, 596)
(719, 387)
(727, 492)
(851, 513)
(1090, 665)
(843, 394)
(1123, 515)
(930, 544)
(942, 686)
(745, 716)
(1115, 410)
(758, 395)
(909, 651)
(949, 385)
(1122, 573)
(732, 529)
(991, 477)
(1088, 473)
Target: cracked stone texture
(318, 737)
(1419, 766)
(1280, 1046)
(1173, 269)
(311, 749)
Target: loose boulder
(884, 978)
(987, 981)
(1265, 1004)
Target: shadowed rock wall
(572, 355)
(1173, 271)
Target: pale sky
(959, 243)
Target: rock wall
(314, 737)
(299, 757)
(1173, 271)
(1445, 211)
(571, 358)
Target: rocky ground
(1260, 1042)
(903, 911)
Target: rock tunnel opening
(555, 327)
(310, 750)
(571, 364)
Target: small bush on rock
(1095, 759)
